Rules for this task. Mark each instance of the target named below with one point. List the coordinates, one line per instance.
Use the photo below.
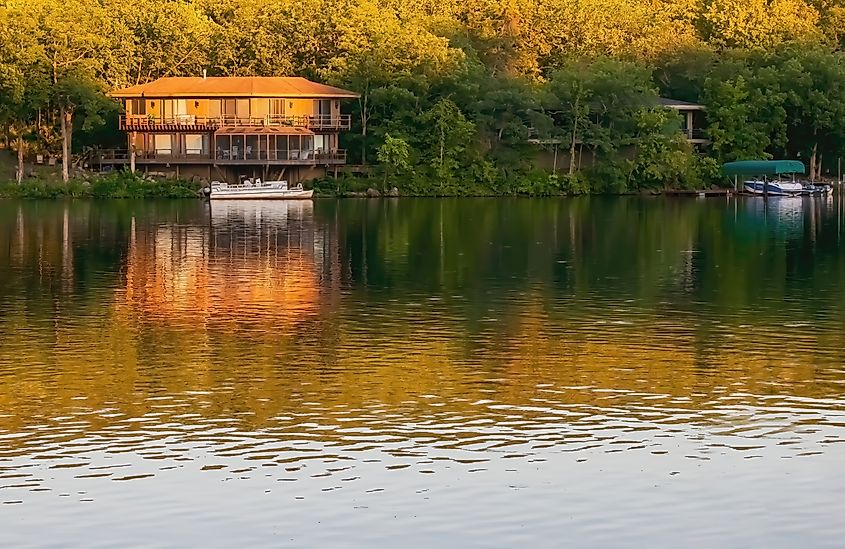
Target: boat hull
(774, 188)
(267, 190)
(259, 194)
(815, 189)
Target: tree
(163, 38)
(395, 155)
(23, 87)
(757, 23)
(377, 50)
(72, 49)
(593, 102)
(21, 96)
(663, 157)
(449, 133)
(813, 80)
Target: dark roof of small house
(679, 105)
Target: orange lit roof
(233, 86)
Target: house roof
(233, 86)
(679, 105)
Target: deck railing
(191, 123)
(121, 156)
(696, 134)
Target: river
(468, 372)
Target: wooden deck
(273, 158)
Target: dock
(702, 192)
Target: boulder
(394, 192)
(372, 193)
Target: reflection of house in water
(254, 261)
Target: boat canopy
(762, 167)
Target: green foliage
(126, 185)
(466, 85)
(394, 154)
(544, 184)
(113, 185)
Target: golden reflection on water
(235, 344)
(194, 275)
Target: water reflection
(790, 216)
(252, 262)
(528, 355)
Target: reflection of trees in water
(384, 301)
(649, 250)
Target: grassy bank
(530, 184)
(119, 185)
(113, 185)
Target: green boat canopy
(763, 167)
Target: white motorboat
(252, 190)
(774, 188)
(760, 170)
(821, 189)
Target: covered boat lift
(762, 168)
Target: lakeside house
(692, 116)
(551, 157)
(227, 128)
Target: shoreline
(125, 186)
(121, 185)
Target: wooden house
(227, 128)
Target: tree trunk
(442, 145)
(19, 173)
(362, 103)
(364, 143)
(572, 145)
(67, 128)
(813, 162)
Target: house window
(237, 147)
(163, 144)
(214, 108)
(137, 107)
(294, 144)
(277, 107)
(281, 144)
(243, 109)
(230, 110)
(323, 107)
(194, 144)
(251, 147)
(321, 143)
(223, 146)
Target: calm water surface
(626, 372)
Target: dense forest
(460, 96)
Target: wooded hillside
(453, 89)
